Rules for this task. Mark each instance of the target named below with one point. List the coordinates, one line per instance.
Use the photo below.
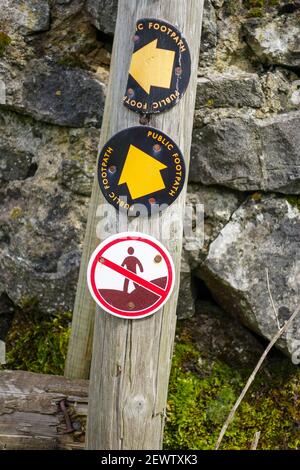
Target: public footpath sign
(160, 67)
(141, 171)
(131, 275)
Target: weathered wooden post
(132, 358)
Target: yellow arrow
(141, 173)
(151, 66)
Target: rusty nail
(131, 305)
(156, 147)
(62, 405)
(152, 200)
(130, 92)
(178, 71)
(157, 259)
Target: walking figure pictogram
(131, 263)
(115, 276)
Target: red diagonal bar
(133, 277)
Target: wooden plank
(30, 416)
(132, 359)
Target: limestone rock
(211, 209)
(63, 9)
(262, 234)
(72, 40)
(24, 16)
(103, 14)
(6, 316)
(186, 297)
(245, 153)
(42, 211)
(294, 97)
(215, 207)
(54, 93)
(64, 96)
(218, 335)
(276, 41)
(209, 34)
(281, 90)
(14, 165)
(229, 89)
(218, 3)
(2, 92)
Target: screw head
(76, 425)
(112, 169)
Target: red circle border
(124, 313)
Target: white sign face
(131, 275)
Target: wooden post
(132, 359)
(116, 118)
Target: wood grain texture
(30, 416)
(131, 359)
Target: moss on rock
(16, 213)
(294, 201)
(5, 41)
(259, 8)
(255, 13)
(260, 3)
(200, 400)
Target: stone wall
(245, 165)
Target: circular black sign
(160, 67)
(141, 171)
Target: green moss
(250, 8)
(5, 41)
(294, 201)
(258, 8)
(38, 345)
(209, 102)
(254, 3)
(16, 213)
(233, 7)
(28, 303)
(73, 61)
(256, 196)
(198, 406)
(255, 13)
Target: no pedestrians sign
(131, 275)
